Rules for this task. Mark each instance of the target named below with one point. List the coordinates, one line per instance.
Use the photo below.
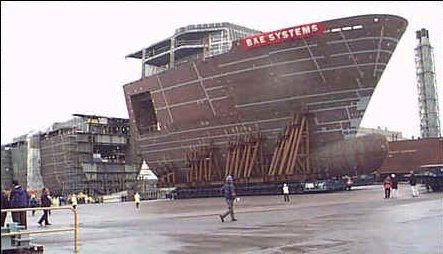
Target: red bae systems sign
(287, 34)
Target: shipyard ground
(356, 221)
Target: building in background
(21, 162)
(89, 154)
(6, 167)
(427, 86)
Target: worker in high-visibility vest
(286, 192)
(137, 200)
(74, 201)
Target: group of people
(391, 183)
(18, 198)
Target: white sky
(62, 58)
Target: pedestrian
(74, 201)
(5, 205)
(413, 183)
(286, 192)
(230, 195)
(137, 200)
(33, 203)
(45, 200)
(19, 199)
(394, 186)
(387, 183)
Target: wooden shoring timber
(291, 155)
(167, 179)
(233, 158)
(261, 161)
(202, 166)
(254, 142)
(210, 170)
(216, 170)
(274, 158)
(206, 169)
(307, 150)
(287, 150)
(278, 153)
(233, 150)
(242, 156)
(303, 161)
(303, 151)
(190, 156)
(289, 141)
(228, 159)
(248, 156)
(170, 177)
(294, 156)
(229, 162)
(191, 162)
(293, 150)
(255, 151)
(237, 158)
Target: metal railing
(21, 232)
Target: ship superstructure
(189, 43)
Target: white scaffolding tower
(427, 86)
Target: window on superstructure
(219, 43)
(144, 113)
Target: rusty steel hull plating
(212, 101)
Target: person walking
(230, 195)
(45, 200)
(413, 183)
(33, 203)
(137, 200)
(5, 205)
(387, 183)
(74, 201)
(286, 192)
(394, 186)
(19, 199)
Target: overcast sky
(62, 58)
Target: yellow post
(75, 230)
(21, 232)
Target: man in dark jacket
(229, 191)
(45, 202)
(19, 199)
(5, 205)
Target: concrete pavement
(356, 221)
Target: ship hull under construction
(313, 91)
